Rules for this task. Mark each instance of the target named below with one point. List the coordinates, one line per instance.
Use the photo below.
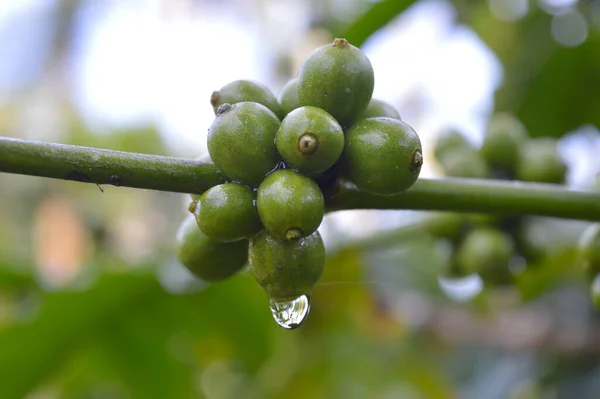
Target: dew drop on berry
(290, 314)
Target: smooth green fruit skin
(338, 78)
(541, 162)
(321, 126)
(379, 153)
(241, 142)
(288, 96)
(486, 251)
(379, 108)
(205, 258)
(226, 213)
(503, 141)
(465, 163)
(288, 200)
(246, 90)
(206, 162)
(286, 269)
(450, 142)
(588, 248)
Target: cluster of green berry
(275, 154)
(507, 153)
(488, 244)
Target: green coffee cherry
(486, 251)
(286, 269)
(589, 249)
(208, 165)
(205, 258)
(339, 78)
(504, 138)
(241, 141)
(288, 96)
(310, 140)
(465, 163)
(290, 205)
(246, 90)
(382, 155)
(226, 213)
(450, 142)
(378, 108)
(541, 162)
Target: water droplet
(290, 313)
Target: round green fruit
(288, 96)
(589, 249)
(227, 213)
(241, 141)
(465, 163)
(246, 90)
(382, 155)
(205, 258)
(339, 78)
(310, 140)
(286, 269)
(541, 162)
(503, 140)
(378, 108)
(486, 251)
(450, 142)
(290, 205)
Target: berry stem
(477, 196)
(101, 166)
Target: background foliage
(94, 305)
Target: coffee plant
(277, 164)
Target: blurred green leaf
(557, 100)
(547, 273)
(32, 352)
(546, 85)
(237, 310)
(376, 17)
(138, 348)
(135, 320)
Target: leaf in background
(138, 349)
(31, 352)
(546, 274)
(379, 15)
(563, 96)
(551, 88)
(237, 311)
